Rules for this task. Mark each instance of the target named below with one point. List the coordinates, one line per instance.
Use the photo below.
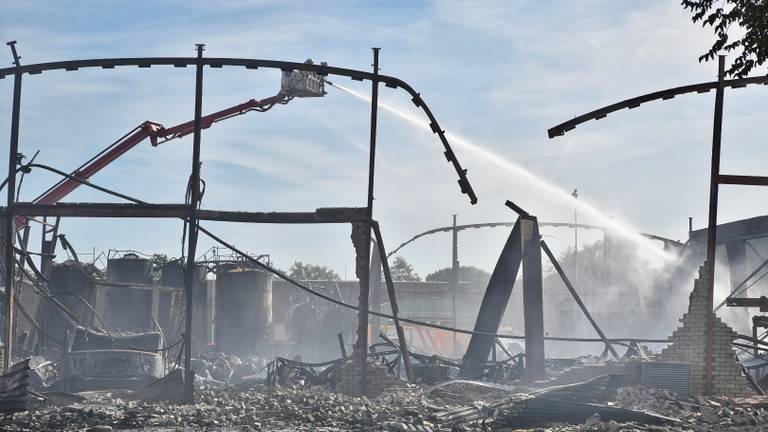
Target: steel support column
(494, 303)
(194, 201)
(393, 304)
(717, 129)
(454, 282)
(364, 299)
(374, 287)
(533, 300)
(10, 225)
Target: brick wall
(688, 344)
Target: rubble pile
(257, 409)
(221, 369)
(409, 409)
(651, 399)
(720, 413)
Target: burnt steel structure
(716, 178)
(494, 301)
(522, 248)
(190, 211)
(668, 243)
(10, 230)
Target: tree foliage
(302, 271)
(402, 271)
(466, 274)
(751, 15)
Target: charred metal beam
(323, 70)
(363, 246)
(666, 241)
(494, 303)
(742, 180)
(343, 350)
(321, 215)
(102, 210)
(10, 226)
(717, 129)
(454, 283)
(393, 304)
(192, 224)
(533, 298)
(635, 102)
(374, 283)
(758, 302)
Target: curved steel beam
(217, 62)
(510, 224)
(635, 102)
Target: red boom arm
(155, 132)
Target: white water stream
(547, 189)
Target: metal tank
(68, 281)
(172, 276)
(243, 313)
(129, 301)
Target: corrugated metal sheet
(597, 389)
(675, 377)
(539, 410)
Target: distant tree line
(400, 268)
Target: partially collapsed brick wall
(689, 345)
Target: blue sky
(498, 73)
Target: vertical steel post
(717, 129)
(10, 225)
(374, 288)
(454, 282)
(393, 304)
(362, 325)
(340, 337)
(194, 193)
(575, 196)
(533, 299)
(754, 338)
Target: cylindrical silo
(243, 311)
(129, 304)
(68, 281)
(172, 275)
